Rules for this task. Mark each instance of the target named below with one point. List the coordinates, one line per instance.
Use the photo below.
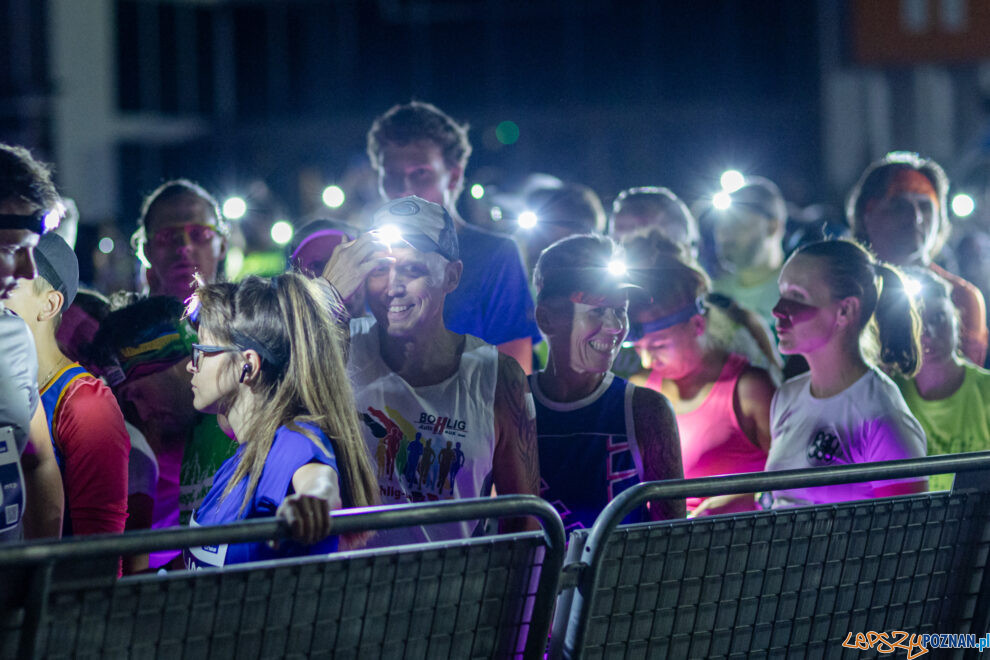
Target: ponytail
(851, 271)
(898, 323)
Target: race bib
(11, 481)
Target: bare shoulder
(511, 381)
(651, 409)
(755, 386)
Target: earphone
(245, 372)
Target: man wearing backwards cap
(449, 416)
(598, 434)
(898, 209)
(87, 430)
(28, 472)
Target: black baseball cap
(58, 265)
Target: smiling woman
(586, 418)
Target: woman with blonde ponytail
(834, 295)
(271, 359)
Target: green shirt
(959, 423)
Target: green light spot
(507, 132)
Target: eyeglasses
(175, 236)
(199, 350)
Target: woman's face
(214, 378)
(806, 313)
(940, 328)
(674, 352)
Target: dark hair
(876, 179)
(570, 204)
(851, 271)
(653, 201)
(290, 321)
(665, 270)
(410, 122)
(555, 270)
(167, 192)
(22, 177)
(126, 325)
(762, 196)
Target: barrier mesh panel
(463, 599)
(791, 583)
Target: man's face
(741, 237)
(417, 168)
(407, 296)
(160, 402)
(16, 249)
(182, 240)
(902, 228)
(24, 302)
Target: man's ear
(849, 310)
(223, 247)
(452, 272)
(53, 303)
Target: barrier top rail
(631, 498)
(343, 521)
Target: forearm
(45, 498)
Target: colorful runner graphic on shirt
(423, 463)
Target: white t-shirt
(866, 422)
(430, 443)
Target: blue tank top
(588, 451)
(289, 452)
(51, 399)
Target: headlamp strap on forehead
(679, 316)
(34, 222)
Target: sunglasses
(199, 350)
(176, 236)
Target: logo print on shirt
(825, 447)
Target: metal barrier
(481, 597)
(782, 583)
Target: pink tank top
(712, 442)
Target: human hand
(352, 262)
(308, 517)
(710, 504)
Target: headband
(156, 349)
(34, 222)
(697, 306)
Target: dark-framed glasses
(199, 350)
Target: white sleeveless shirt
(426, 443)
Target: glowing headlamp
(389, 234)
(722, 200)
(617, 268)
(912, 287)
(527, 220)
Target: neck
(563, 384)
(833, 369)
(707, 371)
(50, 358)
(426, 358)
(762, 270)
(940, 380)
(239, 415)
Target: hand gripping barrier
(480, 597)
(782, 583)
